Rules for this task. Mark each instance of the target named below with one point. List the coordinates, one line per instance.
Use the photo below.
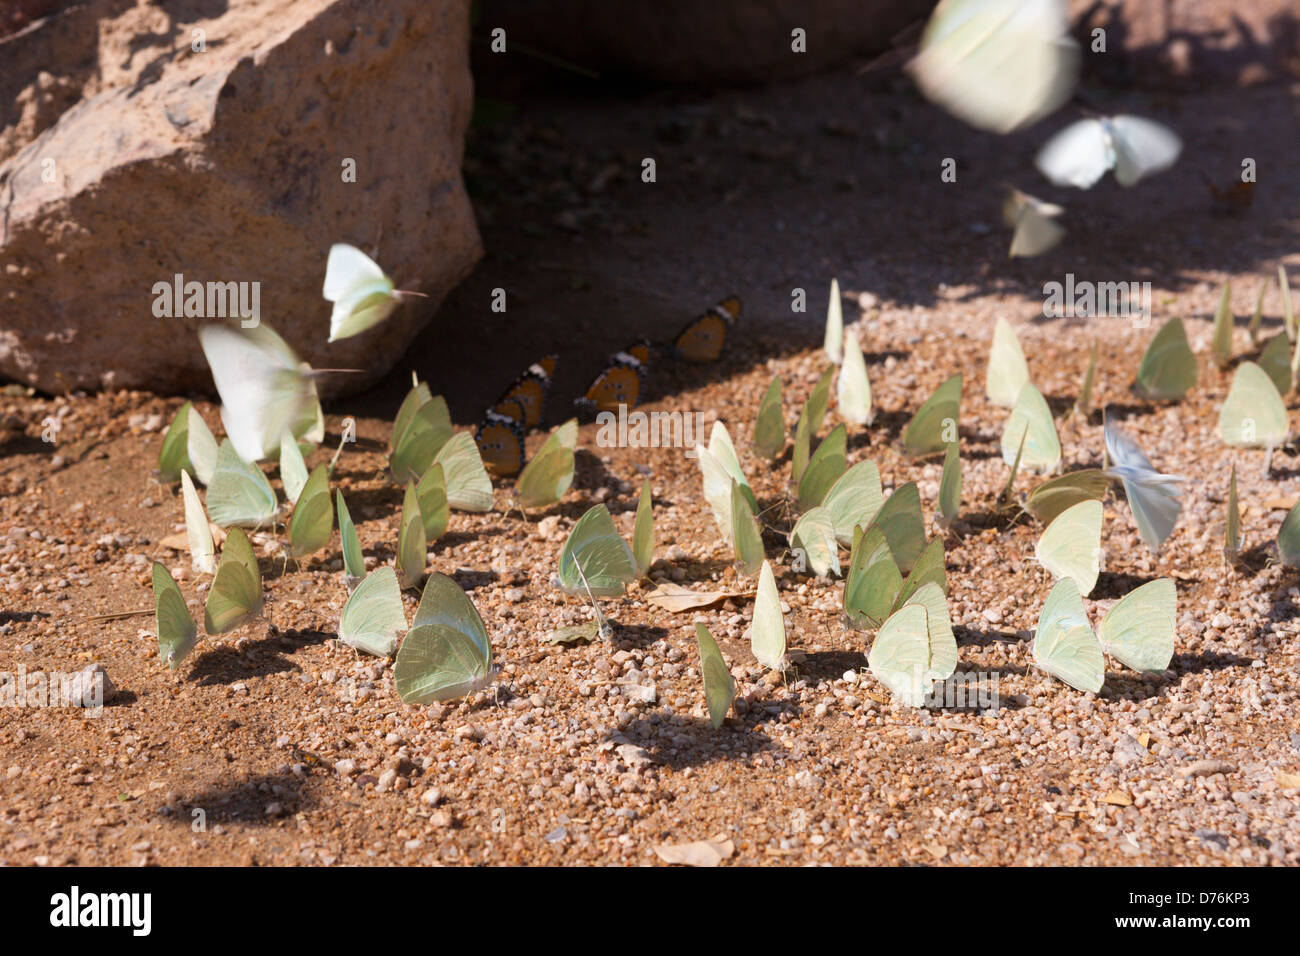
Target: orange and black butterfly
(703, 338)
(620, 382)
(500, 438)
(530, 391)
(1237, 198)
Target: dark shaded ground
(762, 191)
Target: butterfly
(767, 631)
(500, 440)
(374, 614)
(265, 389)
(1133, 147)
(447, 652)
(1034, 223)
(1237, 198)
(704, 336)
(999, 65)
(529, 391)
(362, 295)
(620, 382)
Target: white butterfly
(362, 295)
(1033, 220)
(1080, 154)
(1152, 495)
(264, 387)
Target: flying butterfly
(620, 382)
(1034, 222)
(1133, 147)
(999, 65)
(704, 336)
(530, 391)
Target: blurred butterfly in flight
(704, 336)
(620, 382)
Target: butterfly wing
(1141, 148)
(767, 631)
(999, 65)
(1064, 644)
(177, 633)
(1139, 630)
(264, 390)
(1077, 156)
(1071, 545)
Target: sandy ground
(297, 750)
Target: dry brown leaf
(1288, 781)
(678, 600)
(1118, 798)
(699, 853)
(181, 541)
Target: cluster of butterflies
(522, 406)
(1003, 65)
(896, 583)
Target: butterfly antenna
(606, 631)
(338, 451)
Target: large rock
(126, 157)
(1191, 43)
(720, 42)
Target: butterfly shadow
(677, 741)
(963, 692)
(589, 472)
(1123, 411)
(996, 519)
(1188, 663)
(1111, 584)
(974, 637)
(627, 637)
(243, 801)
(887, 427)
(452, 539)
(21, 617)
(470, 579)
(817, 666)
(373, 504)
(1252, 561)
(226, 664)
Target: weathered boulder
(1191, 43)
(212, 140)
(723, 42)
